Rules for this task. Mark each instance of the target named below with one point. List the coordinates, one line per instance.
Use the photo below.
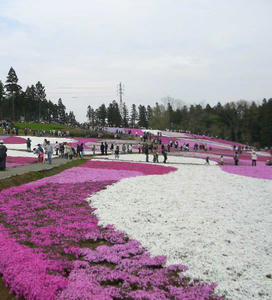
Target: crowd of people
(63, 150)
(53, 132)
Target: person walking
(106, 148)
(49, 150)
(40, 153)
(102, 148)
(28, 144)
(146, 150)
(93, 149)
(3, 156)
(57, 148)
(236, 158)
(164, 153)
(155, 155)
(124, 149)
(116, 152)
(81, 152)
(78, 151)
(61, 148)
(254, 158)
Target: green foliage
(113, 114)
(41, 126)
(101, 115)
(238, 121)
(11, 85)
(142, 117)
(31, 104)
(125, 115)
(133, 116)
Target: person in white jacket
(254, 159)
(49, 150)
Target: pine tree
(125, 116)
(133, 116)
(101, 114)
(61, 112)
(142, 116)
(91, 115)
(148, 114)
(71, 118)
(2, 91)
(11, 85)
(113, 114)
(41, 101)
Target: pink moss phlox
(51, 216)
(26, 272)
(13, 139)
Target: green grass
(41, 126)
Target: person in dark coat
(164, 153)
(146, 150)
(106, 148)
(81, 149)
(78, 150)
(3, 156)
(28, 144)
(102, 148)
(236, 158)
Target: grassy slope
(41, 126)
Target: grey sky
(194, 50)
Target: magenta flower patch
(51, 246)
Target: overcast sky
(199, 51)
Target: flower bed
(261, 171)
(12, 139)
(15, 161)
(51, 246)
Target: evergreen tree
(101, 114)
(125, 116)
(142, 116)
(71, 118)
(133, 116)
(41, 101)
(148, 114)
(11, 85)
(170, 114)
(113, 114)
(61, 112)
(91, 115)
(2, 91)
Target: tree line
(243, 121)
(30, 104)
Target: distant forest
(245, 122)
(31, 105)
